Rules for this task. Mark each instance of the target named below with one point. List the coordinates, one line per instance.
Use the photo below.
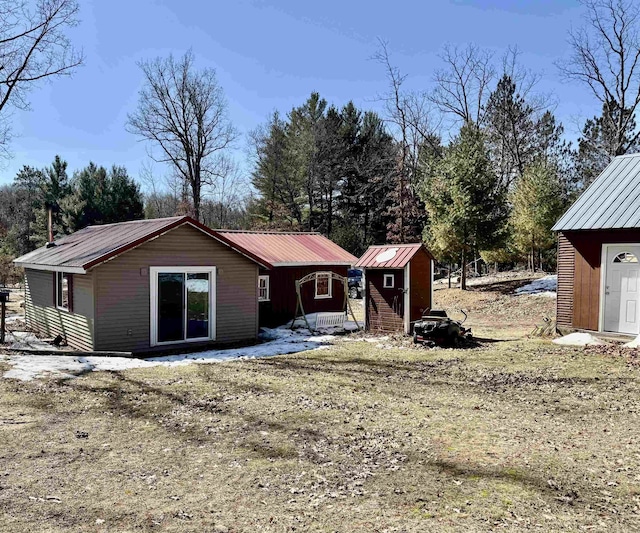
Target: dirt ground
(494, 310)
(376, 435)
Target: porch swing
(325, 319)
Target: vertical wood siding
(46, 320)
(384, 307)
(420, 279)
(282, 305)
(123, 290)
(566, 269)
(587, 247)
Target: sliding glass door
(182, 301)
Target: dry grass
(518, 434)
(494, 310)
(512, 434)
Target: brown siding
(123, 293)
(587, 246)
(384, 307)
(420, 284)
(566, 269)
(46, 320)
(282, 305)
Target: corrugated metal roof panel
(290, 249)
(612, 201)
(388, 255)
(93, 245)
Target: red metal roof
(290, 249)
(93, 245)
(389, 255)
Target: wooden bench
(330, 320)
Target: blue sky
(271, 55)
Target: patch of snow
(279, 341)
(545, 286)
(635, 343)
(579, 339)
(19, 340)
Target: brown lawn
(510, 433)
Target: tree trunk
(449, 275)
(463, 273)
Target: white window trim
(267, 287)
(329, 285)
(392, 277)
(153, 289)
(58, 295)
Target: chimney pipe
(50, 214)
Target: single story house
(599, 253)
(398, 285)
(291, 256)
(143, 286)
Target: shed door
(622, 289)
(385, 300)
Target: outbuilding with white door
(599, 253)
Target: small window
(263, 289)
(63, 285)
(625, 257)
(323, 285)
(389, 281)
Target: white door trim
(407, 298)
(153, 302)
(604, 263)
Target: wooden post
(3, 312)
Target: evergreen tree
(600, 143)
(101, 197)
(538, 201)
(273, 177)
(465, 200)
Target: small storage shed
(143, 286)
(398, 285)
(599, 253)
(291, 256)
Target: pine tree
(538, 200)
(465, 200)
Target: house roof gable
(390, 255)
(89, 247)
(612, 201)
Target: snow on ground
(278, 341)
(20, 340)
(635, 343)
(545, 286)
(579, 339)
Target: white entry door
(622, 289)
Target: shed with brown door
(599, 253)
(398, 285)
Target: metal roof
(290, 248)
(389, 255)
(612, 201)
(93, 245)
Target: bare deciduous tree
(33, 47)
(410, 117)
(605, 57)
(462, 86)
(184, 112)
